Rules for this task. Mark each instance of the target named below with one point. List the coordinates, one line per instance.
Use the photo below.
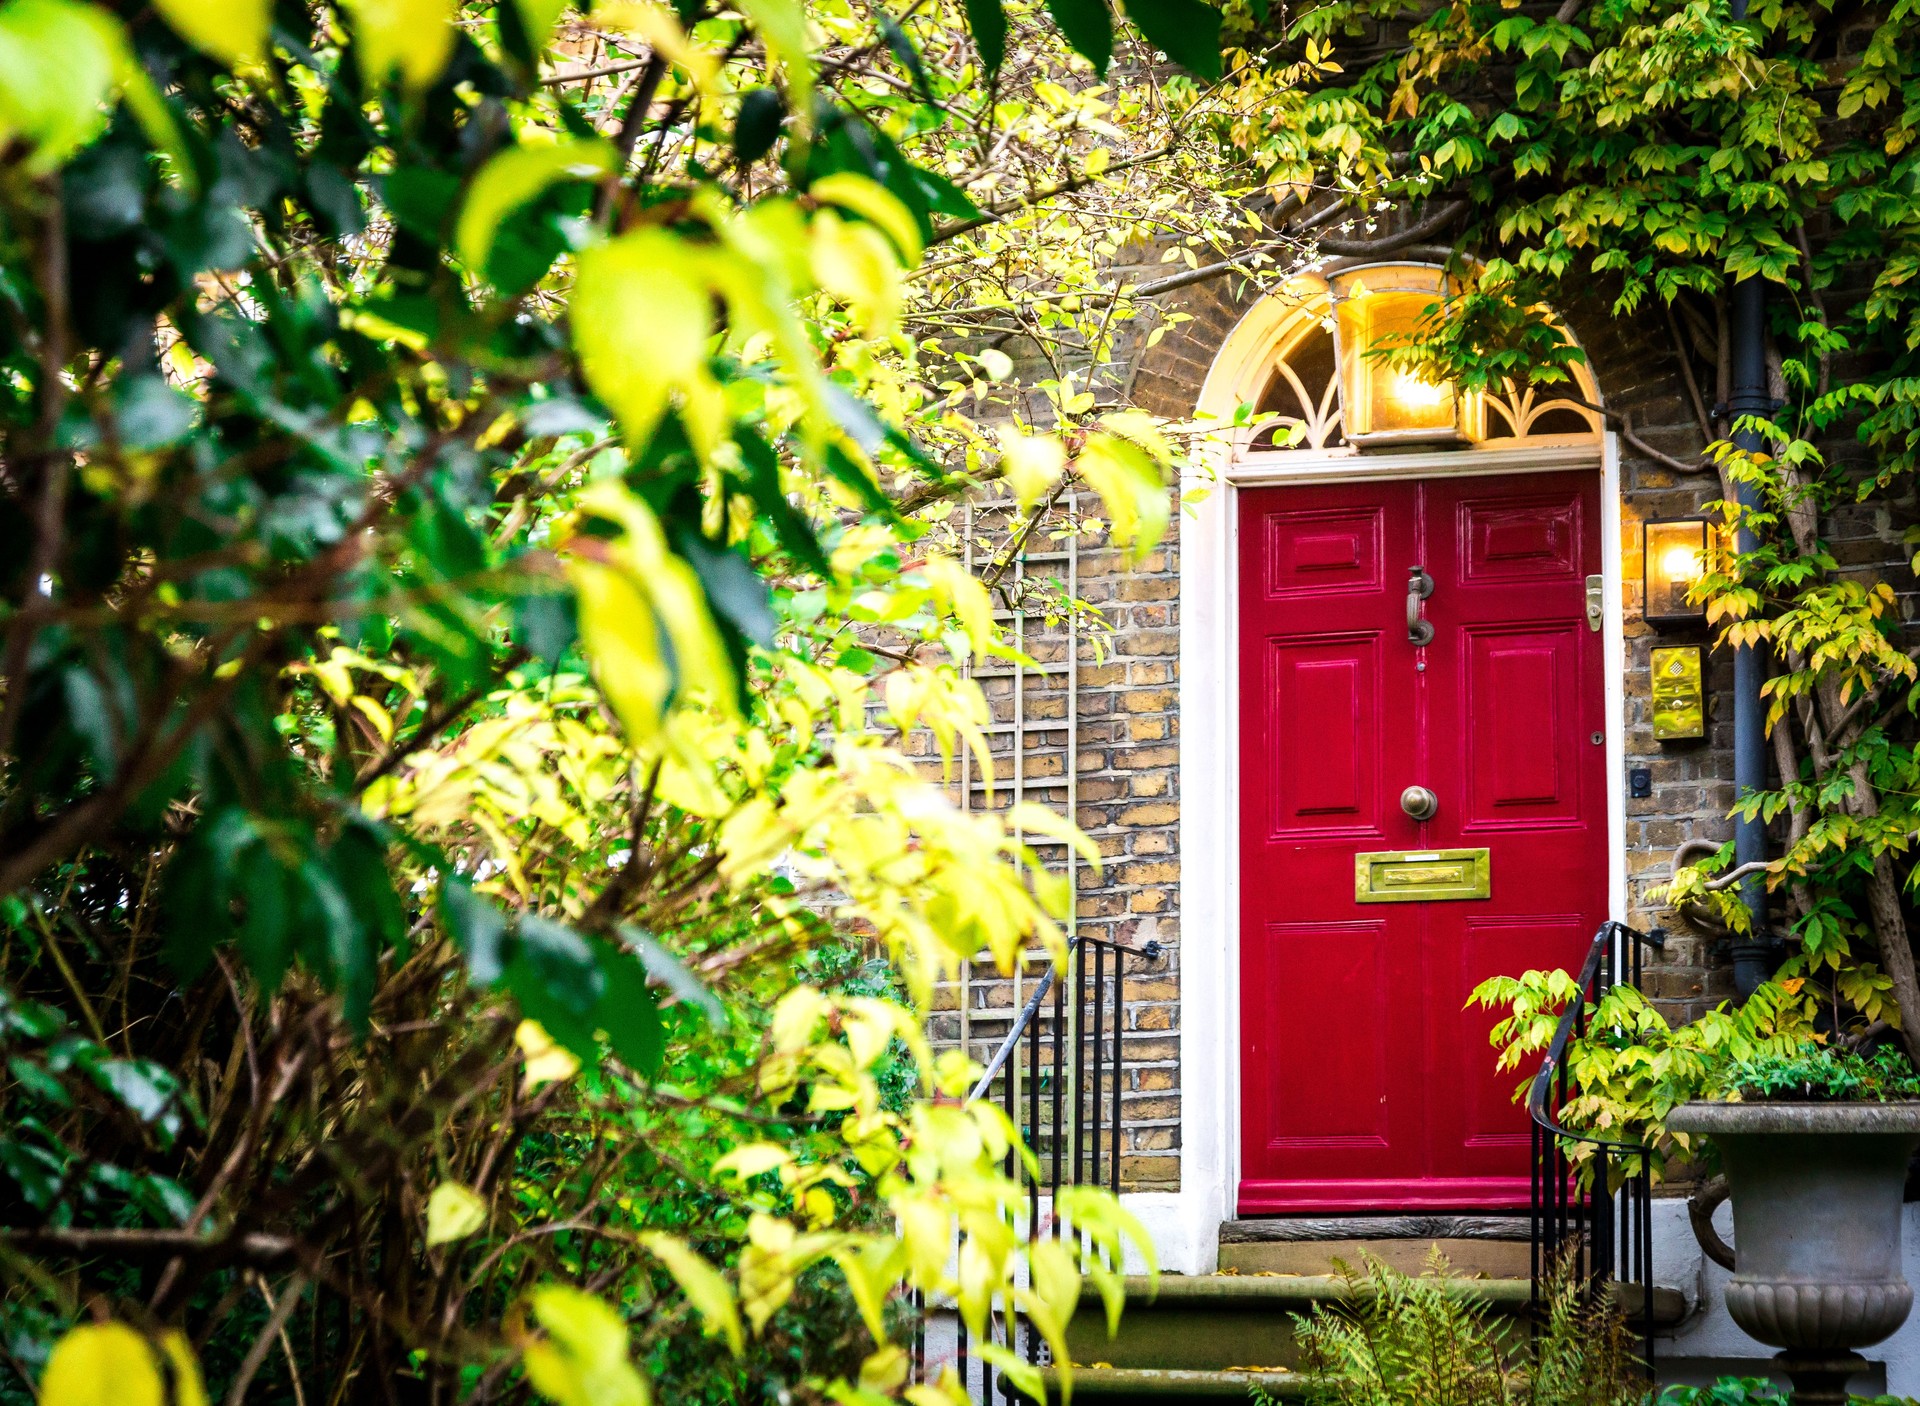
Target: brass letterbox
(1417, 876)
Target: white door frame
(1185, 1225)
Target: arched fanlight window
(1317, 390)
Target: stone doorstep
(1222, 1322)
(1292, 1228)
(1215, 1323)
(1465, 1258)
(1117, 1386)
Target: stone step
(1490, 1247)
(1465, 1259)
(1214, 1323)
(1148, 1386)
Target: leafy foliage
(1632, 1068)
(1821, 1073)
(1398, 1340)
(478, 531)
(1751, 1391)
(1639, 160)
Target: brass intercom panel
(1679, 695)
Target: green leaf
(628, 1011)
(902, 47)
(757, 125)
(477, 927)
(1187, 30)
(1088, 26)
(667, 969)
(736, 591)
(197, 901)
(561, 962)
(988, 22)
(578, 987)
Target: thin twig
(276, 1327)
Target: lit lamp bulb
(1681, 567)
(1421, 397)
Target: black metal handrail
(1607, 1236)
(1078, 1147)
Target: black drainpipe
(1749, 396)
(1751, 964)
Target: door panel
(1365, 1084)
(1345, 956)
(1324, 774)
(1520, 687)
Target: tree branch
(1007, 207)
(1416, 233)
(256, 1248)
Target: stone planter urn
(1816, 1216)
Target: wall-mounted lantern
(1674, 556)
(1384, 405)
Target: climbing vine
(1639, 158)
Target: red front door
(1365, 1084)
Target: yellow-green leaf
(885, 1371)
(871, 201)
(642, 314)
(60, 65)
(548, 1061)
(1031, 464)
(516, 176)
(782, 26)
(705, 1287)
(632, 590)
(751, 1159)
(871, 1270)
(410, 39)
(537, 18)
(454, 1212)
(583, 1359)
(188, 1388)
(1021, 1374)
(854, 263)
(1132, 487)
(232, 31)
(102, 1364)
(961, 592)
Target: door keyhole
(1419, 587)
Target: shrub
(1824, 1073)
(1397, 1340)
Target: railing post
(1596, 1238)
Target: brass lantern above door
(1388, 406)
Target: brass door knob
(1419, 802)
